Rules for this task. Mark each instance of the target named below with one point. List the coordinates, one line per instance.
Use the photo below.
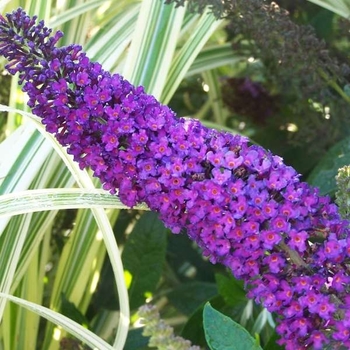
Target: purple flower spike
(242, 205)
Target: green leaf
(73, 12)
(153, 45)
(143, 257)
(323, 21)
(193, 329)
(71, 311)
(49, 199)
(323, 175)
(84, 180)
(231, 290)
(340, 7)
(272, 345)
(212, 78)
(184, 58)
(222, 333)
(214, 56)
(189, 296)
(346, 89)
(109, 44)
(72, 327)
(136, 340)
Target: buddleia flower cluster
(241, 204)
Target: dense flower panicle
(242, 205)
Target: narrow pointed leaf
(340, 7)
(153, 45)
(53, 199)
(70, 326)
(188, 53)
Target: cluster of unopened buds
(241, 204)
(161, 335)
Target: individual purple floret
(242, 205)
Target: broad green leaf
(222, 333)
(193, 330)
(184, 258)
(340, 7)
(143, 257)
(324, 173)
(272, 343)
(188, 297)
(231, 290)
(136, 340)
(323, 21)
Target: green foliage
(231, 290)
(324, 173)
(136, 340)
(222, 333)
(187, 297)
(272, 345)
(143, 258)
(340, 7)
(72, 312)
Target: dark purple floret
(242, 205)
